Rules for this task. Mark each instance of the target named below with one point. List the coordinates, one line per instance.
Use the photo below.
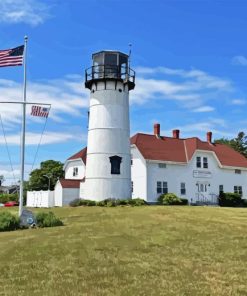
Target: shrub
(169, 199)
(123, 202)
(137, 202)
(8, 222)
(8, 197)
(100, 203)
(87, 202)
(244, 202)
(82, 202)
(184, 201)
(109, 202)
(228, 199)
(75, 203)
(48, 220)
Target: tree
(2, 179)
(50, 171)
(239, 143)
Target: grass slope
(129, 251)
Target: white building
(189, 167)
(113, 164)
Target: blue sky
(190, 59)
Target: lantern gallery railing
(110, 72)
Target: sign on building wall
(202, 174)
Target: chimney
(157, 130)
(209, 137)
(175, 133)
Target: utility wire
(7, 148)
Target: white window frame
(182, 188)
(238, 189)
(205, 162)
(162, 187)
(75, 171)
(198, 162)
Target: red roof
(81, 154)
(171, 149)
(70, 183)
(177, 150)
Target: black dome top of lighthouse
(110, 65)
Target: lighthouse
(108, 167)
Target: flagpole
(23, 131)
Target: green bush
(244, 203)
(100, 203)
(82, 202)
(109, 202)
(8, 222)
(75, 203)
(228, 199)
(8, 197)
(45, 219)
(170, 199)
(87, 202)
(137, 202)
(184, 201)
(123, 202)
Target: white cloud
(201, 128)
(190, 89)
(67, 97)
(204, 109)
(239, 60)
(32, 12)
(48, 138)
(239, 102)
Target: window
(238, 189)
(198, 162)
(202, 187)
(238, 172)
(115, 164)
(221, 189)
(205, 162)
(183, 189)
(162, 165)
(162, 187)
(131, 159)
(75, 171)
(132, 186)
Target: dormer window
(75, 171)
(115, 164)
(198, 162)
(205, 162)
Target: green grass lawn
(151, 250)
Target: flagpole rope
(7, 148)
(36, 153)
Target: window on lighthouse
(115, 164)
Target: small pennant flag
(12, 57)
(40, 111)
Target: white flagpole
(23, 131)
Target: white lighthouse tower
(108, 171)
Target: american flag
(12, 57)
(40, 111)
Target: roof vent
(157, 130)
(209, 137)
(175, 133)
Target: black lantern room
(110, 65)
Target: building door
(202, 193)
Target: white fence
(40, 199)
